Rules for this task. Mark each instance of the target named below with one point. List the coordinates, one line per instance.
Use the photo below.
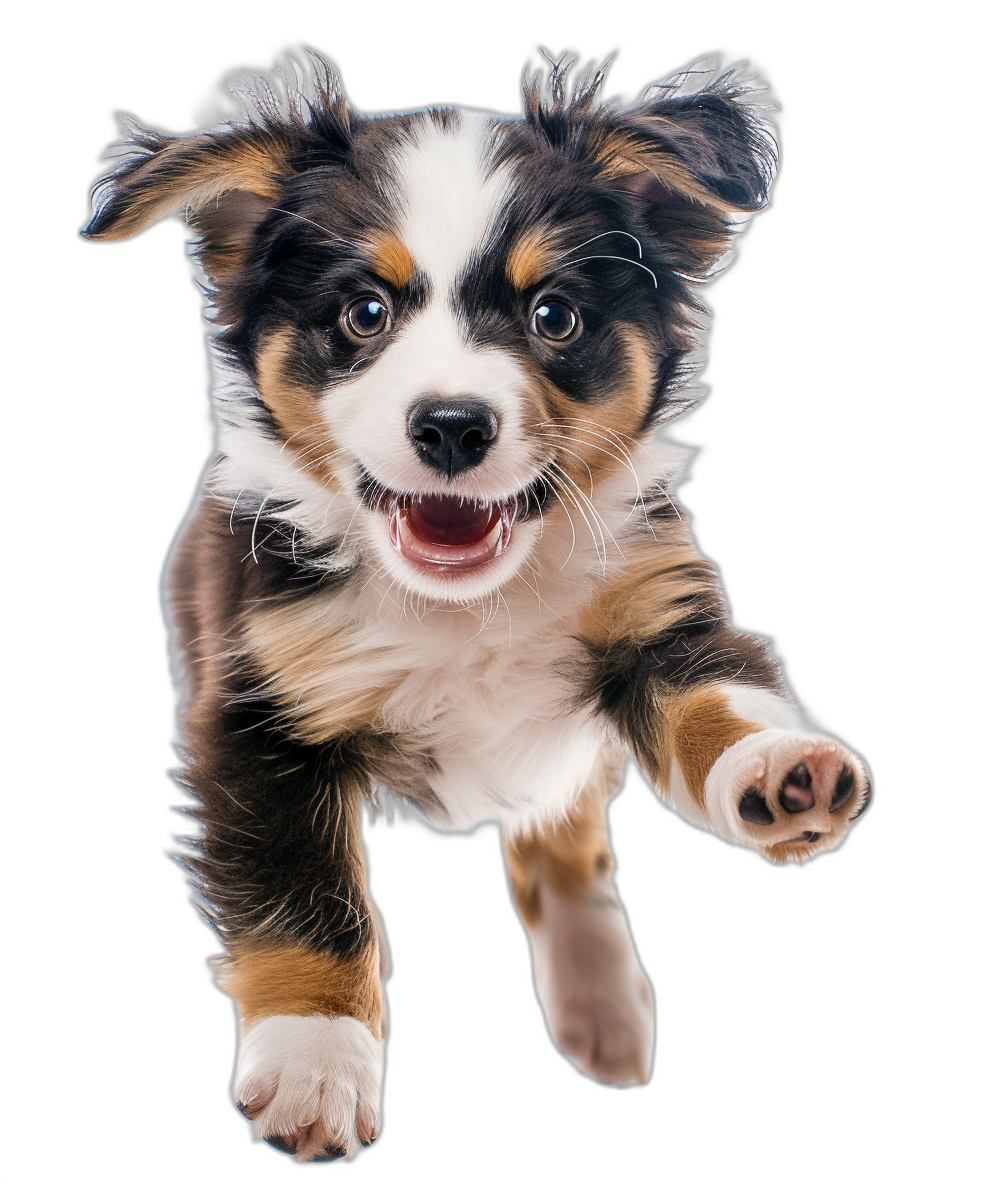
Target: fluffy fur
(438, 551)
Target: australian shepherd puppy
(438, 552)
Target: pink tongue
(443, 521)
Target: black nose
(451, 435)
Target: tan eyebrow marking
(529, 259)
(392, 261)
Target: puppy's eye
(554, 321)
(367, 316)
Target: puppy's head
(451, 326)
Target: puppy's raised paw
(788, 794)
(311, 1084)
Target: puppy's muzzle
(451, 435)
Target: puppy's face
(436, 330)
(455, 324)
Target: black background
(769, 980)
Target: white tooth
(499, 546)
(396, 540)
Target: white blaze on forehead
(431, 356)
(450, 196)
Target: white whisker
(235, 506)
(579, 493)
(255, 523)
(616, 258)
(328, 233)
(535, 592)
(578, 457)
(604, 234)
(563, 505)
(626, 463)
(572, 488)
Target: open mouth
(450, 534)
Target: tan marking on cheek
(328, 684)
(296, 411)
(537, 394)
(391, 259)
(268, 979)
(569, 856)
(622, 413)
(529, 259)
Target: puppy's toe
(311, 1084)
(788, 794)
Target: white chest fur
(500, 715)
(487, 699)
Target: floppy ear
(690, 160)
(708, 145)
(225, 181)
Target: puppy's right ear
(223, 182)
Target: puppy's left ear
(709, 145)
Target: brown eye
(366, 317)
(554, 321)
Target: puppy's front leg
(278, 863)
(596, 999)
(281, 868)
(307, 985)
(736, 759)
(705, 711)
(309, 1066)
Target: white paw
(596, 999)
(788, 794)
(311, 1084)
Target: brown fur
(295, 409)
(698, 726)
(392, 261)
(649, 593)
(194, 172)
(571, 855)
(620, 154)
(294, 646)
(529, 259)
(267, 979)
(622, 413)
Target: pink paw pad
(801, 789)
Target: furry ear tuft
(691, 154)
(695, 155)
(224, 181)
(164, 175)
(716, 133)
(708, 144)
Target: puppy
(438, 552)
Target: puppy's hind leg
(594, 994)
